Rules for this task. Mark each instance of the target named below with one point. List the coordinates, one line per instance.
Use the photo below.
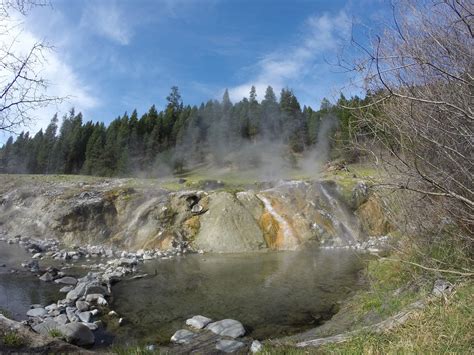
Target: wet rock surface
(224, 336)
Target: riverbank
(400, 311)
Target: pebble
(256, 347)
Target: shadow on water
(272, 294)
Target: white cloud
(107, 19)
(61, 78)
(294, 65)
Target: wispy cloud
(294, 64)
(62, 80)
(107, 19)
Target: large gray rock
(71, 314)
(67, 280)
(84, 316)
(61, 319)
(229, 346)
(47, 277)
(77, 292)
(227, 327)
(46, 327)
(93, 297)
(182, 336)
(198, 322)
(66, 289)
(82, 306)
(78, 334)
(36, 312)
(228, 227)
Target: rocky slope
(132, 215)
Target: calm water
(20, 290)
(272, 294)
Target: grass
(132, 350)
(55, 333)
(441, 328)
(6, 313)
(12, 339)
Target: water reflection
(21, 289)
(271, 293)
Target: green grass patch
(12, 339)
(441, 328)
(6, 313)
(55, 333)
(132, 350)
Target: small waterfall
(139, 214)
(287, 233)
(343, 218)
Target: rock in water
(66, 289)
(229, 346)
(77, 334)
(67, 280)
(182, 336)
(36, 312)
(47, 277)
(227, 327)
(198, 322)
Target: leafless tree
(22, 87)
(420, 74)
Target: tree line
(179, 135)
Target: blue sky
(112, 56)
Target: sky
(113, 56)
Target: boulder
(77, 334)
(91, 326)
(46, 327)
(228, 227)
(36, 312)
(198, 322)
(77, 292)
(67, 280)
(227, 327)
(47, 277)
(229, 346)
(61, 319)
(66, 289)
(82, 306)
(71, 315)
(93, 297)
(84, 316)
(182, 336)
